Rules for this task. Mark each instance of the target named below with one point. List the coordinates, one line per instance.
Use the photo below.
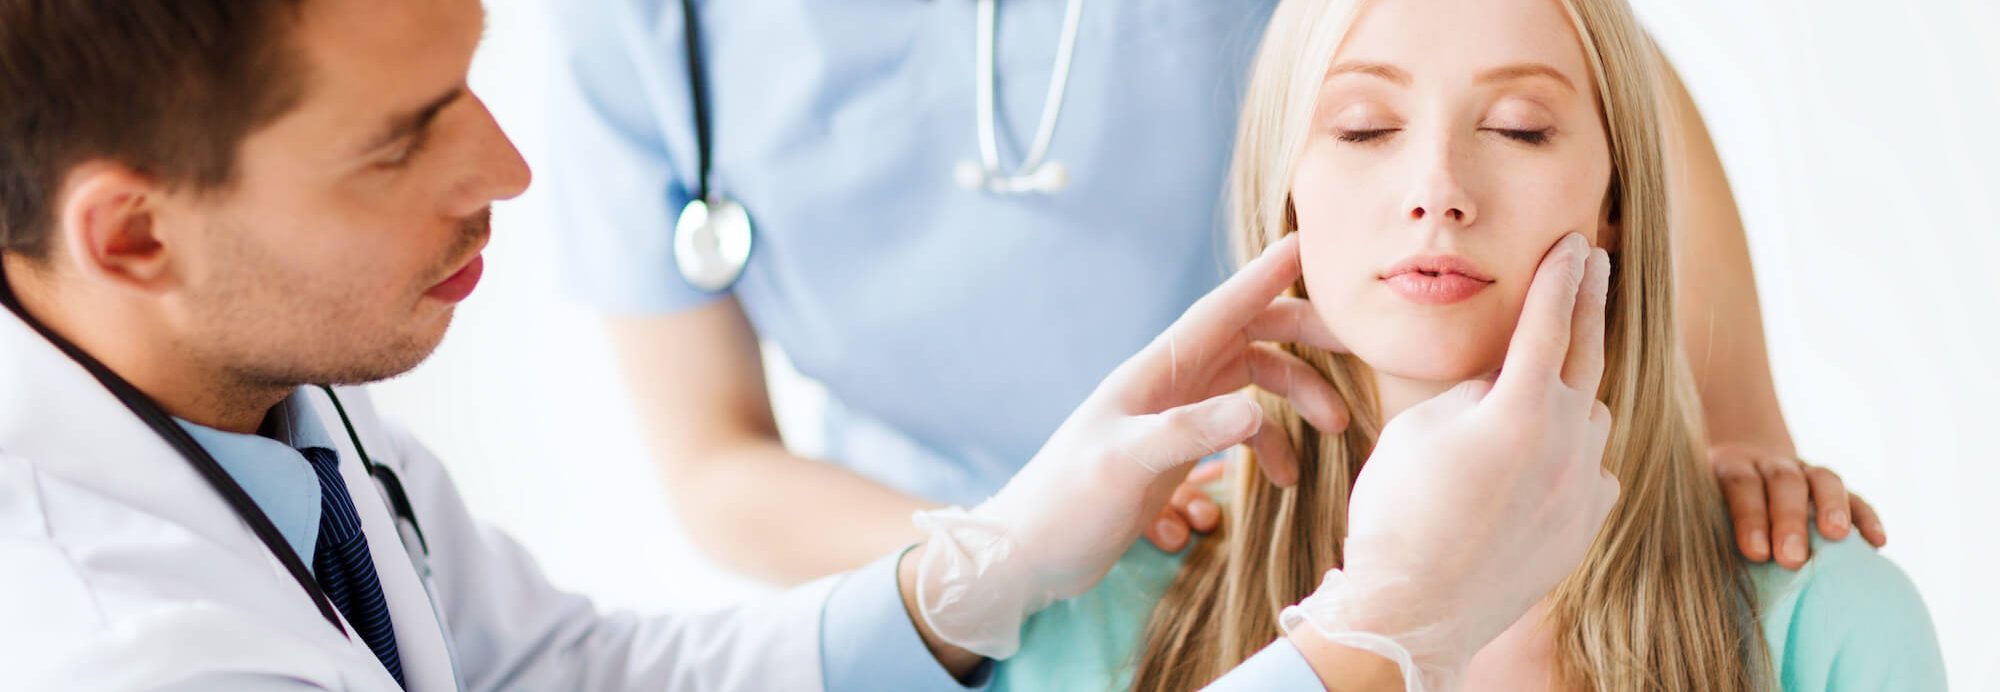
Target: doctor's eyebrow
(404, 125)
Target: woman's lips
(1436, 280)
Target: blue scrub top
(953, 329)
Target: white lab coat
(121, 569)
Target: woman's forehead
(1463, 40)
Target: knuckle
(1735, 472)
(1781, 470)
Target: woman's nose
(1440, 196)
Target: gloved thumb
(1167, 440)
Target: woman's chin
(1444, 357)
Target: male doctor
(210, 207)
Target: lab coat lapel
(427, 664)
(171, 530)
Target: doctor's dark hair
(167, 88)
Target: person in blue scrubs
(953, 327)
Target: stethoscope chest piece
(712, 243)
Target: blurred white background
(1863, 143)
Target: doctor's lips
(456, 287)
(1436, 279)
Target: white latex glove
(1061, 523)
(1475, 504)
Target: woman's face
(1452, 144)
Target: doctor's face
(1452, 144)
(356, 219)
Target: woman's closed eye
(1364, 135)
(1532, 137)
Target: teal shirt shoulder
(1848, 620)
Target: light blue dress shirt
(273, 472)
(868, 640)
(954, 329)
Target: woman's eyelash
(1359, 136)
(1534, 137)
(1530, 137)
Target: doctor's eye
(409, 152)
(1363, 136)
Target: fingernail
(1233, 414)
(1795, 548)
(1202, 511)
(1168, 531)
(1840, 519)
(1273, 245)
(1575, 241)
(1759, 543)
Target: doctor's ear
(106, 227)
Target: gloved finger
(1292, 320)
(1785, 491)
(1168, 440)
(1588, 462)
(1169, 532)
(1585, 365)
(1286, 375)
(1215, 327)
(1743, 492)
(1536, 356)
(1869, 522)
(1829, 495)
(1272, 449)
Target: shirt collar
(271, 470)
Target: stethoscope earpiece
(1035, 174)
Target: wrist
(958, 661)
(1343, 668)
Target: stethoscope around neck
(713, 236)
(155, 417)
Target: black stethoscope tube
(177, 437)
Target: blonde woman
(1428, 153)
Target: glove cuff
(1330, 612)
(970, 590)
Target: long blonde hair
(1659, 602)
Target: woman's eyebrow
(1383, 70)
(1523, 70)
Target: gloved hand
(1478, 502)
(1061, 523)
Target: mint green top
(1848, 620)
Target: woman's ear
(106, 227)
(1610, 228)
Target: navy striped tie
(343, 566)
